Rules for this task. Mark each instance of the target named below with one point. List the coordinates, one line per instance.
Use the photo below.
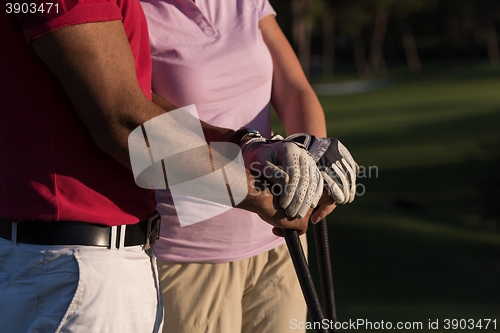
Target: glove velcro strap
(316, 146)
(303, 139)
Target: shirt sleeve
(264, 8)
(44, 16)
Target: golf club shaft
(325, 270)
(304, 276)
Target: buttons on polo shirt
(199, 18)
(204, 25)
(208, 30)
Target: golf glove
(299, 177)
(335, 164)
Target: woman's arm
(293, 98)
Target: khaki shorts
(255, 295)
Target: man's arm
(95, 66)
(94, 63)
(212, 133)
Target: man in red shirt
(75, 83)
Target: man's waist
(81, 233)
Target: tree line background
(372, 35)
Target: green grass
(423, 242)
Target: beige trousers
(255, 295)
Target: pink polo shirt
(211, 54)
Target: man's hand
(300, 180)
(335, 163)
(261, 201)
(325, 206)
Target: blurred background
(412, 88)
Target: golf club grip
(325, 270)
(304, 276)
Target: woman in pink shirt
(228, 273)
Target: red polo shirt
(50, 169)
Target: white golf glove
(300, 180)
(335, 163)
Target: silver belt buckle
(149, 231)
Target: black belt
(81, 233)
